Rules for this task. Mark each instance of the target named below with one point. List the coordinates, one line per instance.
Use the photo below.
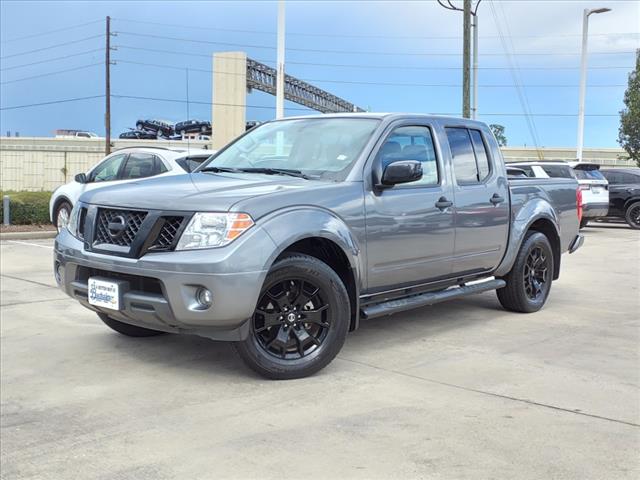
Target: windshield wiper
(265, 170)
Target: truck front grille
(130, 221)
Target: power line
(177, 100)
(64, 29)
(73, 55)
(355, 82)
(342, 35)
(52, 46)
(48, 74)
(355, 52)
(76, 99)
(380, 67)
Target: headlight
(208, 230)
(72, 224)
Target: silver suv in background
(594, 186)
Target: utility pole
(466, 59)
(583, 77)
(474, 104)
(280, 62)
(107, 90)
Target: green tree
(498, 131)
(629, 133)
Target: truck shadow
(190, 353)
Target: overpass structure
(235, 75)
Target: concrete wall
(229, 95)
(40, 163)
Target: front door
(409, 238)
(481, 199)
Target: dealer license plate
(103, 293)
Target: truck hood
(193, 192)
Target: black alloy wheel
(632, 215)
(291, 319)
(536, 273)
(300, 321)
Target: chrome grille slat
(133, 219)
(168, 232)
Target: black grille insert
(168, 234)
(118, 227)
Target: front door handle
(443, 203)
(496, 199)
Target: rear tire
(301, 320)
(126, 329)
(529, 281)
(632, 215)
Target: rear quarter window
(558, 171)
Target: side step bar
(424, 299)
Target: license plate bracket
(106, 292)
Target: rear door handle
(496, 199)
(443, 203)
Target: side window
(160, 166)
(108, 170)
(140, 165)
(613, 177)
(412, 143)
(464, 161)
(629, 178)
(559, 171)
(484, 167)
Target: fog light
(204, 297)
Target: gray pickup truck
(289, 236)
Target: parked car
(122, 166)
(160, 127)
(624, 194)
(595, 190)
(138, 135)
(191, 126)
(282, 241)
(64, 133)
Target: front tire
(632, 215)
(300, 322)
(126, 329)
(529, 281)
(61, 216)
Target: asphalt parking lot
(457, 390)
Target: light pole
(583, 76)
(280, 62)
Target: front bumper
(160, 288)
(594, 210)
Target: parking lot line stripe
(29, 243)
(498, 395)
(33, 301)
(29, 281)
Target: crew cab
(292, 234)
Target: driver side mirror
(401, 171)
(81, 178)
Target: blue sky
(393, 56)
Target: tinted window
(189, 164)
(481, 154)
(558, 171)
(629, 177)
(588, 174)
(527, 169)
(140, 165)
(108, 170)
(412, 143)
(464, 161)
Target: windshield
(318, 147)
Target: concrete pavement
(457, 390)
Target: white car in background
(122, 166)
(594, 186)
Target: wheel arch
(629, 201)
(56, 204)
(323, 235)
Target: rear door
(481, 200)
(409, 237)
